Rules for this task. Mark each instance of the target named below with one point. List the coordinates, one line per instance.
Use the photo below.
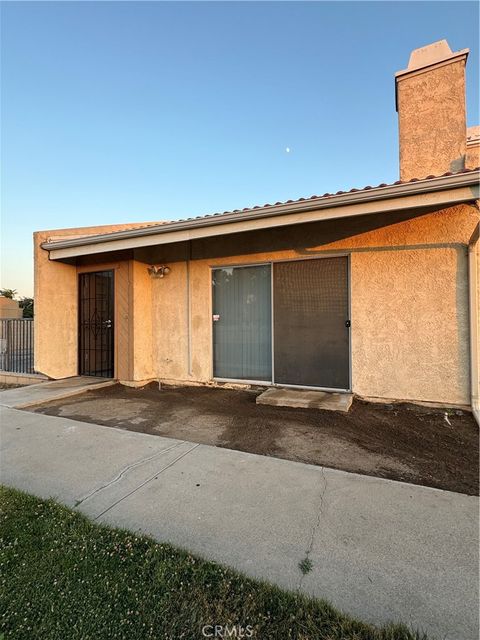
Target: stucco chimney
(430, 97)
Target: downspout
(189, 313)
(474, 303)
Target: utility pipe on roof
(474, 303)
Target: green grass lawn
(64, 577)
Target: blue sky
(133, 111)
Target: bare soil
(432, 447)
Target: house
(373, 290)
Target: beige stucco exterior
(431, 112)
(474, 274)
(409, 310)
(56, 307)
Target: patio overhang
(416, 196)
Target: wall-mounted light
(158, 271)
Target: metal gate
(96, 324)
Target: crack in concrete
(155, 475)
(125, 470)
(316, 523)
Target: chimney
(430, 96)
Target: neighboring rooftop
(473, 134)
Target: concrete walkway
(381, 550)
(33, 394)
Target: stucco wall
(432, 121)
(409, 284)
(477, 342)
(55, 294)
(141, 326)
(56, 307)
(410, 325)
(475, 320)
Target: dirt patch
(399, 441)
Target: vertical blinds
(242, 323)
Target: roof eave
(414, 188)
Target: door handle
(107, 323)
(348, 324)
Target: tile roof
(378, 192)
(327, 195)
(148, 224)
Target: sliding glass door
(242, 323)
(310, 344)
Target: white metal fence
(16, 345)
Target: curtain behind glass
(242, 323)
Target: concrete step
(305, 399)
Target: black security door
(96, 327)
(311, 323)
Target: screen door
(311, 323)
(242, 323)
(96, 314)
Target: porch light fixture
(158, 271)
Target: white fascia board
(235, 224)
